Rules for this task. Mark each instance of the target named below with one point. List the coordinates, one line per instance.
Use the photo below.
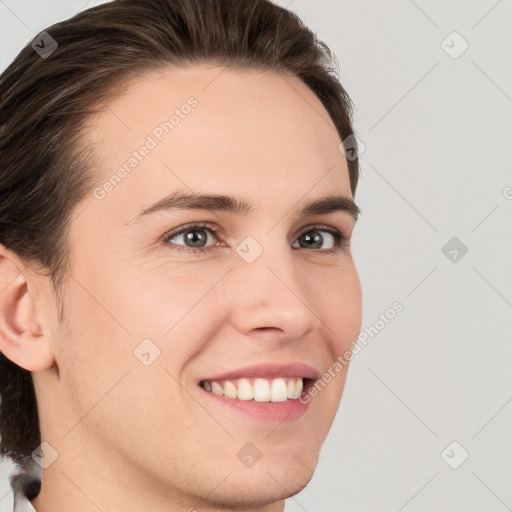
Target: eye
(194, 238)
(314, 240)
(196, 235)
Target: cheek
(346, 312)
(174, 308)
(166, 296)
(108, 386)
(336, 296)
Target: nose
(270, 298)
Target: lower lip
(266, 411)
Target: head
(160, 228)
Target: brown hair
(45, 167)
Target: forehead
(208, 128)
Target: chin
(264, 484)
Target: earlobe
(22, 338)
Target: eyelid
(321, 227)
(197, 225)
(217, 229)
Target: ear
(22, 334)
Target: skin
(133, 437)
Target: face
(167, 308)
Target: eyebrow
(214, 202)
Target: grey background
(437, 165)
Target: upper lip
(268, 370)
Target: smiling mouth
(279, 389)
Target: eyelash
(341, 241)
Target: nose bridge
(269, 293)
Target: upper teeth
(261, 390)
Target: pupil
(191, 237)
(316, 239)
